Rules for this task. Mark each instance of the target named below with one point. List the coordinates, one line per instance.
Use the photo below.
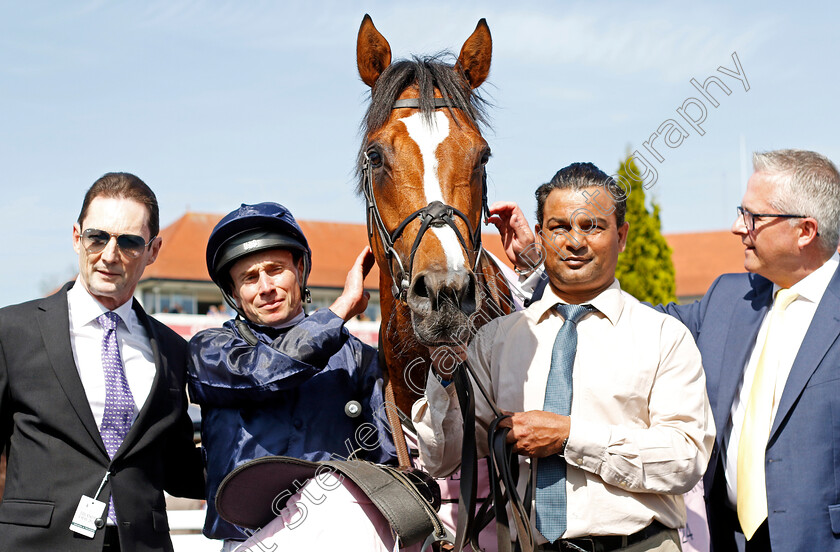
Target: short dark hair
(579, 176)
(125, 186)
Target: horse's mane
(427, 73)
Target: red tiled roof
(182, 252)
(335, 245)
(701, 257)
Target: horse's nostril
(420, 289)
(469, 298)
(418, 296)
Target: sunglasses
(130, 245)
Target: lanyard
(101, 485)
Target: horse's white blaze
(452, 248)
(428, 138)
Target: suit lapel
(740, 343)
(54, 322)
(139, 427)
(822, 333)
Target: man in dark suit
(93, 413)
(769, 340)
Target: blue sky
(218, 103)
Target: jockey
(274, 380)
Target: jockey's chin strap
(504, 475)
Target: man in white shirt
(92, 395)
(632, 427)
(770, 340)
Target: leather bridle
(434, 215)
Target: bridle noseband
(433, 215)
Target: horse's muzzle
(441, 303)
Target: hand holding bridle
(536, 433)
(517, 238)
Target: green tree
(645, 269)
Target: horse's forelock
(427, 73)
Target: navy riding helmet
(249, 229)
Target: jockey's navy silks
(283, 396)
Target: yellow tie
(752, 493)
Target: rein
(504, 475)
(434, 215)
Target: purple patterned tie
(119, 403)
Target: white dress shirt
(86, 340)
(641, 425)
(783, 351)
(521, 286)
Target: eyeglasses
(749, 218)
(132, 246)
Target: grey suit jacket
(54, 450)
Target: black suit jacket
(55, 453)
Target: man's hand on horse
(354, 299)
(536, 433)
(517, 237)
(446, 358)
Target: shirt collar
(812, 286)
(609, 302)
(85, 309)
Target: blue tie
(119, 402)
(551, 470)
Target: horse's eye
(375, 159)
(485, 157)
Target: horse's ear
(475, 54)
(373, 53)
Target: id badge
(90, 516)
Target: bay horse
(422, 173)
(422, 168)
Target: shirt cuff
(438, 392)
(528, 283)
(587, 446)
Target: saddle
(253, 494)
